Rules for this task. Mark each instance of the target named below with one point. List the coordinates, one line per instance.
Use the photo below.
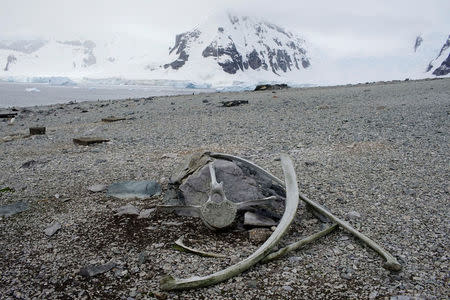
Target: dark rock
(233, 103)
(37, 130)
(93, 270)
(444, 68)
(112, 119)
(270, 87)
(85, 141)
(8, 115)
(29, 164)
(134, 189)
(12, 209)
(253, 219)
(418, 42)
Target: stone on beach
(145, 213)
(97, 188)
(93, 270)
(86, 141)
(233, 103)
(112, 119)
(37, 130)
(253, 219)
(134, 189)
(52, 229)
(127, 210)
(13, 208)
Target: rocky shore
(374, 154)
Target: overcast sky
(359, 28)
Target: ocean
(31, 94)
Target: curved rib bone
(180, 244)
(296, 245)
(170, 283)
(391, 263)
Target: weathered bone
(218, 212)
(292, 199)
(248, 204)
(240, 205)
(391, 263)
(180, 244)
(296, 245)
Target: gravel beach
(376, 155)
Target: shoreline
(196, 91)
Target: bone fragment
(218, 212)
(296, 245)
(180, 244)
(292, 199)
(391, 263)
(248, 204)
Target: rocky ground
(374, 154)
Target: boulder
(134, 189)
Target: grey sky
(344, 27)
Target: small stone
(128, 209)
(233, 103)
(52, 229)
(97, 188)
(353, 215)
(86, 141)
(159, 296)
(37, 130)
(259, 235)
(93, 270)
(145, 213)
(252, 284)
(169, 155)
(112, 119)
(287, 288)
(373, 295)
(294, 259)
(143, 256)
(252, 219)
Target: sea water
(31, 94)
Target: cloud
(346, 27)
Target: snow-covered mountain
(226, 49)
(238, 47)
(78, 58)
(440, 65)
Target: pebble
(127, 210)
(52, 229)
(97, 188)
(353, 215)
(93, 270)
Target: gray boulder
(134, 189)
(237, 186)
